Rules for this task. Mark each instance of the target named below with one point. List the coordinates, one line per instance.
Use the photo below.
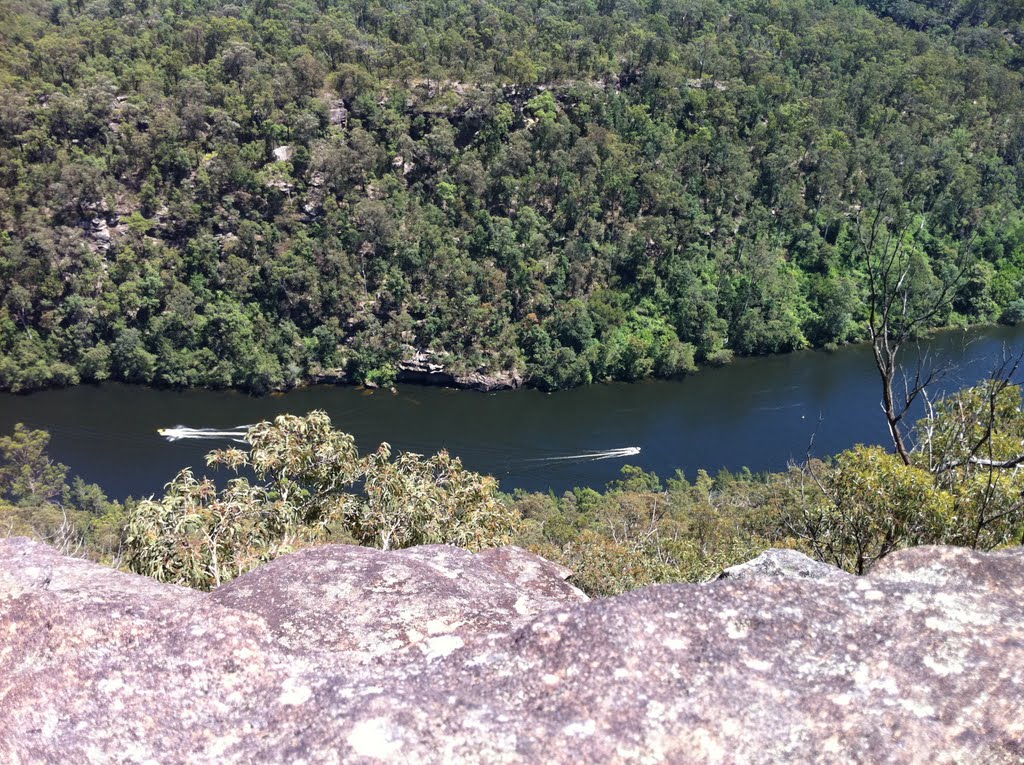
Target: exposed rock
(783, 563)
(312, 207)
(922, 661)
(536, 575)
(348, 598)
(422, 366)
(707, 83)
(955, 567)
(508, 379)
(101, 234)
(333, 376)
(280, 184)
(100, 666)
(403, 164)
(28, 567)
(337, 114)
(283, 154)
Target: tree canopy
(255, 194)
(310, 484)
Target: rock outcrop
(423, 367)
(921, 661)
(368, 603)
(783, 563)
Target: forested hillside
(256, 194)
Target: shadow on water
(756, 413)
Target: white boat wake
(607, 454)
(180, 432)
(238, 434)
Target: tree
(130, 359)
(904, 297)
(873, 505)
(971, 443)
(27, 475)
(413, 500)
(962, 487)
(77, 520)
(310, 483)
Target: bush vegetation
(302, 482)
(195, 192)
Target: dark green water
(758, 413)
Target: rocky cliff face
(421, 366)
(343, 654)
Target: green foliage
(36, 501)
(963, 487)
(583, 192)
(27, 475)
(311, 483)
(638, 533)
(1013, 313)
(874, 504)
(200, 537)
(971, 444)
(412, 501)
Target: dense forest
(258, 194)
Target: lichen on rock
(436, 655)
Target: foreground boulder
(366, 602)
(921, 661)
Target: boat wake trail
(607, 454)
(180, 432)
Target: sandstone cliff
(435, 655)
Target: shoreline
(417, 373)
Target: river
(758, 413)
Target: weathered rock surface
(357, 599)
(422, 366)
(783, 563)
(490, 381)
(921, 661)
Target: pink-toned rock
(921, 661)
(370, 602)
(955, 568)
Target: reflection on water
(758, 413)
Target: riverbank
(425, 368)
(759, 413)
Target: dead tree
(904, 297)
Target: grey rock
(100, 234)
(922, 661)
(508, 379)
(423, 366)
(783, 563)
(337, 114)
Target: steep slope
(262, 194)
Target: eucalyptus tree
(300, 482)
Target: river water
(757, 413)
